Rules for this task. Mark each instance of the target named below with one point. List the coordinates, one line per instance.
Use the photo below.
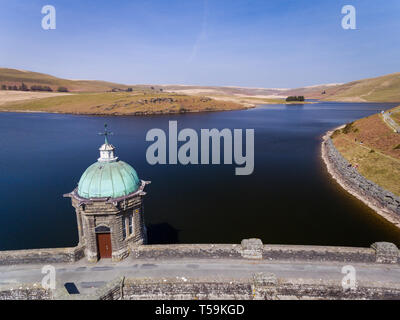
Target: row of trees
(24, 87)
(120, 90)
(131, 89)
(295, 98)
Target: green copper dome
(108, 179)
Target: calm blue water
(289, 199)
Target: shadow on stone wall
(162, 233)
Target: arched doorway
(103, 239)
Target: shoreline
(136, 114)
(240, 103)
(246, 106)
(334, 172)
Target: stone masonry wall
(380, 252)
(41, 256)
(262, 286)
(381, 198)
(255, 250)
(25, 292)
(319, 253)
(186, 251)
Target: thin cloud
(202, 35)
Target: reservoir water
(289, 199)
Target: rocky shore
(385, 203)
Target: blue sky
(255, 43)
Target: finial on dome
(107, 149)
(106, 133)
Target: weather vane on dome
(106, 133)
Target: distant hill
(14, 77)
(192, 89)
(11, 77)
(381, 89)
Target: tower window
(123, 228)
(130, 225)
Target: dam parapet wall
(42, 256)
(380, 252)
(249, 249)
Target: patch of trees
(24, 87)
(295, 98)
(121, 90)
(41, 88)
(5, 87)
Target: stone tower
(109, 207)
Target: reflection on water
(289, 199)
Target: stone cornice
(82, 201)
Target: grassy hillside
(372, 146)
(381, 89)
(15, 77)
(122, 103)
(11, 77)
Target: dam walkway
(251, 270)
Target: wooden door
(104, 245)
